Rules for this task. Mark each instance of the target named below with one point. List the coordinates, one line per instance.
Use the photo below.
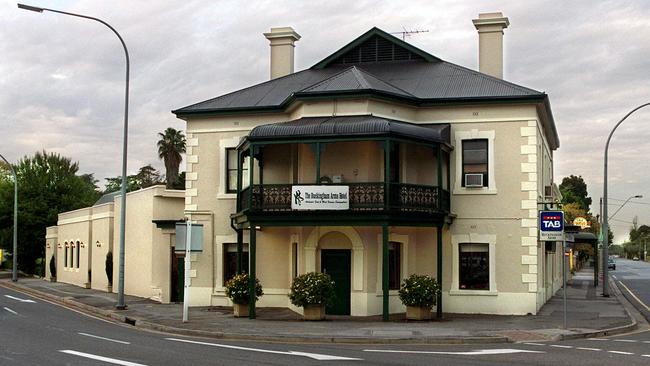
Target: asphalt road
(34, 332)
(633, 278)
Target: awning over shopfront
(351, 126)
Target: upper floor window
(231, 170)
(475, 163)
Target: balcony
(394, 173)
(363, 197)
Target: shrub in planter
(53, 268)
(419, 294)
(312, 291)
(237, 292)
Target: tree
(170, 147)
(47, 185)
(574, 190)
(147, 176)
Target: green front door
(336, 263)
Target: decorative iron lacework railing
(403, 197)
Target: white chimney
(490, 28)
(282, 45)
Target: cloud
(63, 78)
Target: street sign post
(551, 228)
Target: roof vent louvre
(376, 49)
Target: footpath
(589, 315)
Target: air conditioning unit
(473, 180)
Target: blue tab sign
(551, 225)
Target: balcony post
(318, 163)
(439, 161)
(384, 272)
(387, 162)
(251, 271)
(251, 164)
(439, 271)
(240, 162)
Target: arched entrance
(337, 251)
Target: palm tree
(170, 147)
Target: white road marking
(106, 339)
(535, 344)
(315, 356)
(11, 311)
(625, 340)
(621, 352)
(634, 296)
(589, 349)
(645, 355)
(101, 358)
(646, 341)
(479, 352)
(598, 339)
(19, 299)
(614, 276)
(560, 346)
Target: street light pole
(624, 203)
(120, 287)
(14, 268)
(605, 218)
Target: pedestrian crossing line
(625, 340)
(597, 339)
(589, 349)
(534, 344)
(645, 355)
(560, 346)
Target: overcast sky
(62, 78)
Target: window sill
(471, 191)
(472, 293)
(227, 196)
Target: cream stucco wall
(147, 262)
(504, 213)
(51, 245)
(74, 232)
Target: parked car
(611, 264)
(635, 258)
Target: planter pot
(418, 313)
(240, 310)
(314, 312)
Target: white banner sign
(320, 198)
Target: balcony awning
(350, 126)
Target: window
(230, 260)
(474, 267)
(231, 170)
(65, 258)
(394, 268)
(78, 249)
(475, 159)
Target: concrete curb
(117, 316)
(611, 331)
